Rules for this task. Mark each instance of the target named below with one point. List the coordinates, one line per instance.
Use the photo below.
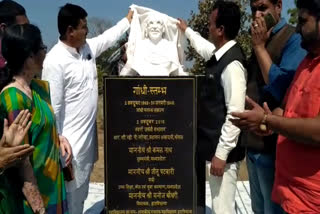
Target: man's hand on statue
(217, 166)
(249, 119)
(259, 32)
(182, 25)
(130, 15)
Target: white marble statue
(154, 54)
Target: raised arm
(202, 46)
(276, 76)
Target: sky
(43, 13)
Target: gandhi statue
(155, 55)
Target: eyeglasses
(43, 47)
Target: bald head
(154, 27)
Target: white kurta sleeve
(108, 38)
(201, 45)
(233, 80)
(54, 74)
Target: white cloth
(223, 189)
(74, 95)
(148, 59)
(233, 81)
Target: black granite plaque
(149, 145)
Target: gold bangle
(41, 211)
(263, 123)
(264, 120)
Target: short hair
(313, 7)
(9, 10)
(228, 16)
(70, 15)
(272, 1)
(18, 43)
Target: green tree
(104, 67)
(293, 12)
(107, 67)
(199, 22)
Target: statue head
(154, 28)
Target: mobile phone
(68, 172)
(270, 21)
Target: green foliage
(293, 12)
(96, 27)
(199, 22)
(104, 67)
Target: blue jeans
(261, 169)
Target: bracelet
(41, 211)
(263, 124)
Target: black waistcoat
(212, 109)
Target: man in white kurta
(72, 74)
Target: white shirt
(74, 96)
(233, 81)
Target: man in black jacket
(222, 90)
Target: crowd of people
(48, 124)
(279, 125)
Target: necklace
(27, 89)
